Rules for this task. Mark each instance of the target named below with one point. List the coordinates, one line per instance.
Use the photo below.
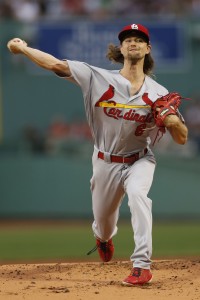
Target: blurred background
(45, 142)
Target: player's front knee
(136, 194)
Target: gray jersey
(117, 126)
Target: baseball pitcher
(126, 110)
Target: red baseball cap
(134, 28)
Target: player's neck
(134, 73)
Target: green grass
(179, 239)
(65, 242)
(169, 240)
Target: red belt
(123, 159)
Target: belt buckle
(107, 157)
(123, 159)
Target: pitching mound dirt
(173, 279)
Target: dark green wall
(60, 188)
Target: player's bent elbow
(182, 140)
(61, 68)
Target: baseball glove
(164, 106)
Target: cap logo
(134, 26)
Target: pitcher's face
(134, 47)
